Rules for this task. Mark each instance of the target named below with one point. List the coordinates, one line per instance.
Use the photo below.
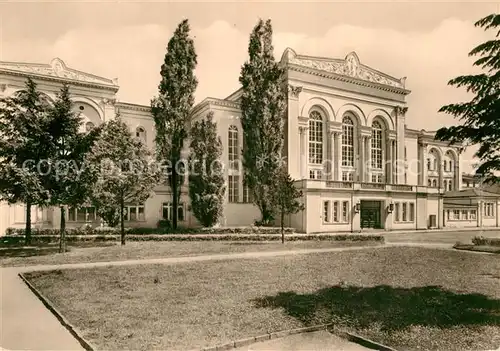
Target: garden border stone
(276, 335)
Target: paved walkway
(27, 325)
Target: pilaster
(293, 149)
(400, 112)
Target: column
(331, 159)
(338, 155)
(302, 152)
(362, 157)
(368, 162)
(423, 165)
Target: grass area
(408, 298)
(84, 252)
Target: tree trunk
(27, 231)
(122, 222)
(282, 226)
(174, 197)
(62, 233)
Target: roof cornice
(346, 79)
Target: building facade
(346, 143)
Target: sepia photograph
(249, 175)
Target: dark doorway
(370, 214)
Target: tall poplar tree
(263, 104)
(206, 181)
(480, 117)
(171, 108)
(24, 147)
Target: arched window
(347, 142)
(140, 133)
(434, 183)
(89, 126)
(429, 183)
(315, 138)
(376, 146)
(233, 147)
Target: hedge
(156, 231)
(47, 239)
(482, 241)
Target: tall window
(405, 212)
(233, 149)
(326, 211)
(335, 211)
(412, 212)
(345, 211)
(347, 142)
(140, 133)
(396, 212)
(233, 188)
(315, 138)
(376, 149)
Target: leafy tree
(263, 105)
(206, 181)
(171, 109)
(121, 172)
(24, 146)
(69, 181)
(286, 198)
(479, 117)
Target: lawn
(408, 298)
(84, 252)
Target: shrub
(50, 239)
(482, 241)
(163, 223)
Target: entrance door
(370, 214)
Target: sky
(426, 42)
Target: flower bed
(482, 241)
(149, 231)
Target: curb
(361, 340)
(276, 335)
(73, 330)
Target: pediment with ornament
(57, 69)
(348, 67)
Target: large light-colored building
(346, 144)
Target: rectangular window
(345, 211)
(134, 213)
(465, 215)
(347, 176)
(167, 214)
(472, 214)
(336, 211)
(72, 215)
(377, 178)
(247, 198)
(456, 214)
(233, 191)
(82, 214)
(315, 174)
(412, 212)
(326, 211)
(405, 212)
(396, 211)
(448, 215)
